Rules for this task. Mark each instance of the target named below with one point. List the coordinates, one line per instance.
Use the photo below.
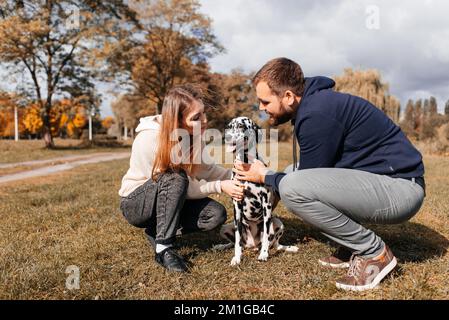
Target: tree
(368, 84)
(422, 119)
(230, 95)
(8, 102)
(434, 119)
(426, 107)
(433, 106)
(107, 122)
(446, 109)
(77, 123)
(32, 120)
(45, 39)
(177, 42)
(426, 131)
(408, 124)
(129, 108)
(418, 117)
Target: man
(356, 166)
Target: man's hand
(254, 172)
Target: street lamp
(16, 124)
(91, 114)
(125, 132)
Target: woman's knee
(216, 216)
(173, 185)
(173, 178)
(133, 211)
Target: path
(75, 161)
(53, 160)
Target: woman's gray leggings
(161, 208)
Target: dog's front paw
(263, 256)
(235, 261)
(292, 249)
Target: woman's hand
(254, 172)
(233, 188)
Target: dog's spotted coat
(254, 226)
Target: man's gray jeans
(337, 201)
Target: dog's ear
(257, 132)
(229, 125)
(256, 126)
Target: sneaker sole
(389, 267)
(173, 270)
(342, 265)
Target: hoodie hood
(149, 123)
(312, 85)
(315, 84)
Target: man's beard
(276, 120)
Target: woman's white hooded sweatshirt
(207, 177)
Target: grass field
(72, 218)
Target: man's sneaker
(171, 260)
(367, 273)
(339, 259)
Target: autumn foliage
(107, 122)
(369, 85)
(67, 119)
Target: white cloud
(411, 47)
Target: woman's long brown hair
(177, 103)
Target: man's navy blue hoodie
(337, 130)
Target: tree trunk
(159, 106)
(48, 139)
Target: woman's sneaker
(171, 260)
(339, 259)
(367, 273)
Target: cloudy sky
(408, 41)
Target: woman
(168, 197)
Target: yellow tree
(77, 122)
(8, 102)
(7, 120)
(51, 41)
(32, 119)
(5, 105)
(69, 117)
(3, 122)
(107, 122)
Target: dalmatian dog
(254, 226)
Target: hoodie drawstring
(295, 159)
(295, 153)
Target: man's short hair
(281, 74)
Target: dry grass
(27, 150)
(73, 219)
